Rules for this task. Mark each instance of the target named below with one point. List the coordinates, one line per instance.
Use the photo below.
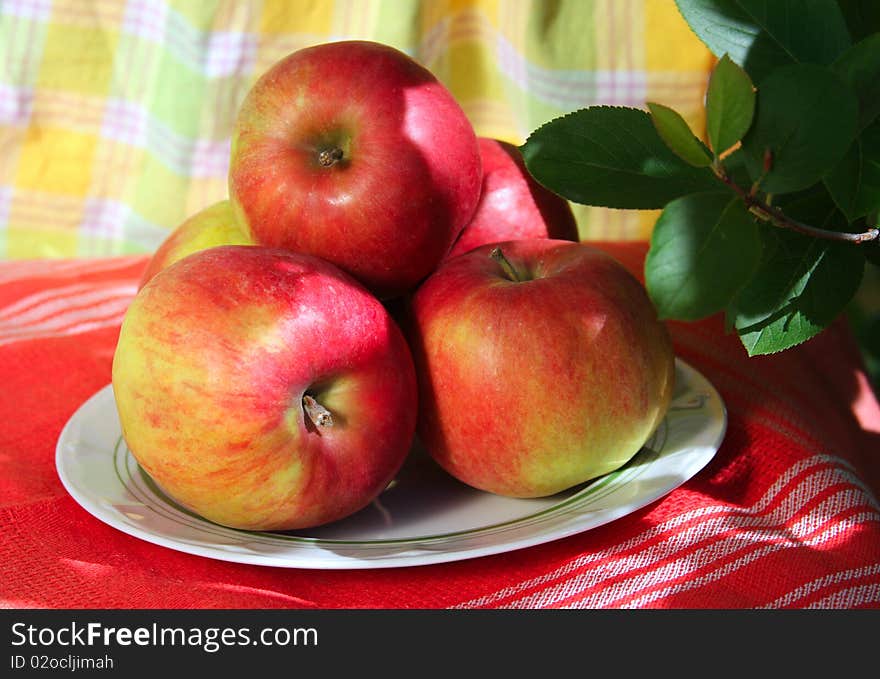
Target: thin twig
(777, 217)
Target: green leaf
(763, 34)
(862, 17)
(859, 67)
(802, 283)
(735, 167)
(854, 183)
(872, 253)
(730, 105)
(703, 249)
(801, 286)
(610, 156)
(674, 131)
(806, 116)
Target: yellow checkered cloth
(115, 116)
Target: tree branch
(777, 217)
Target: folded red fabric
(785, 515)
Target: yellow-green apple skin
(354, 152)
(216, 358)
(513, 205)
(529, 387)
(212, 226)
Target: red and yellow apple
(513, 205)
(541, 365)
(212, 226)
(264, 389)
(354, 152)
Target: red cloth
(785, 515)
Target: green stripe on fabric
(159, 194)
(200, 13)
(22, 41)
(176, 96)
(397, 23)
(558, 34)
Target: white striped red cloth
(785, 515)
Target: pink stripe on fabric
(826, 581)
(229, 53)
(74, 311)
(216, 54)
(603, 87)
(567, 79)
(23, 75)
(105, 219)
(70, 311)
(148, 20)
(469, 25)
(610, 95)
(110, 321)
(797, 475)
(67, 111)
(629, 60)
(16, 105)
(131, 124)
(93, 14)
(624, 86)
(112, 127)
(621, 88)
(431, 45)
(727, 535)
(5, 200)
(31, 269)
(852, 597)
(41, 304)
(114, 221)
(43, 204)
(124, 121)
(744, 539)
(210, 159)
(41, 10)
(222, 111)
(768, 545)
(124, 118)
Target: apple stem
(329, 157)
(505, 264)
(317, 413)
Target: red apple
(212, 226)
(264, 389)
(513, 205)
(354, 152)
(541, 365)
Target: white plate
(424, 517)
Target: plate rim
(327, 558)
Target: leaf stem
(330, 156)
(777, 217)
(505, 264)
(318, 414)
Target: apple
(354, 152)
(264, 389)
(513, 205)
(209, 227)
(541, 365)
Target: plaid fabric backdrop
(115, 116)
